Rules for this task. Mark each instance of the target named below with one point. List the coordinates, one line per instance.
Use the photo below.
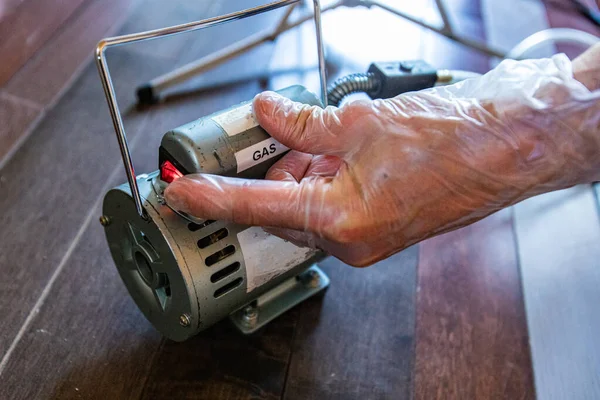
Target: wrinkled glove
(374, 177)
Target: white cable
(564, 35)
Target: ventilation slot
(196, 227)
(162, 295)
(213, 238)
(228, 288)
(219, 255)
(146, 239)
(225, 272)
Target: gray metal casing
(171, 248)
(192, 291)
(202, 146)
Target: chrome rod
(321, 51)
(445, 17)
(109, 89)
(193, 26)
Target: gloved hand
(374, 177)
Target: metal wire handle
(109, 89)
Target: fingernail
(175, 196)
(268, 96)
(264, 102)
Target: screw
(185, 320)
(250, 317)
(161, 199)
(312, 279)
(104, 220)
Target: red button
(168, 172)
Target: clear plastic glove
(374, 177)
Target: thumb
(283, 204)
(309, 129)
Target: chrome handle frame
(109, 89)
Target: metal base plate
(280, 299)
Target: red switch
(168, 172)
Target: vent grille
(213, 238)
(196, 227)
(225, 272)
(228, 288)
(219, 255)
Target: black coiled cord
(351, 84)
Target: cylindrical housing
(175, 269)
(186, 276)
(228, 143)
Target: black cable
(355, 83)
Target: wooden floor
(442, 320)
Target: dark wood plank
(16, 116)
(472, 340)
(9, 7)
(25, 30)
(559, 248)
(43, 78)
(86, 338)
(471, 328)
(89, 340)
(50, 184)
(558, 236)
(358, 341)
(55, 178)
(106, 338)
(48, 73)
(221, 363)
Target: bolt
(104, 220)
(250, 317)
(161, 199)
(185, 320)
(312, 278)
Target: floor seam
(61, 265)
(40, 302)
(43, 109)
(513, 223)
(22, 139)
(289, 364)
(56, 31)
(17, 99)
(152, 366)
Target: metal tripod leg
(262, 76)
(150, 92)
(446, 30)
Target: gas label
(237, 120)
(255, 154)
